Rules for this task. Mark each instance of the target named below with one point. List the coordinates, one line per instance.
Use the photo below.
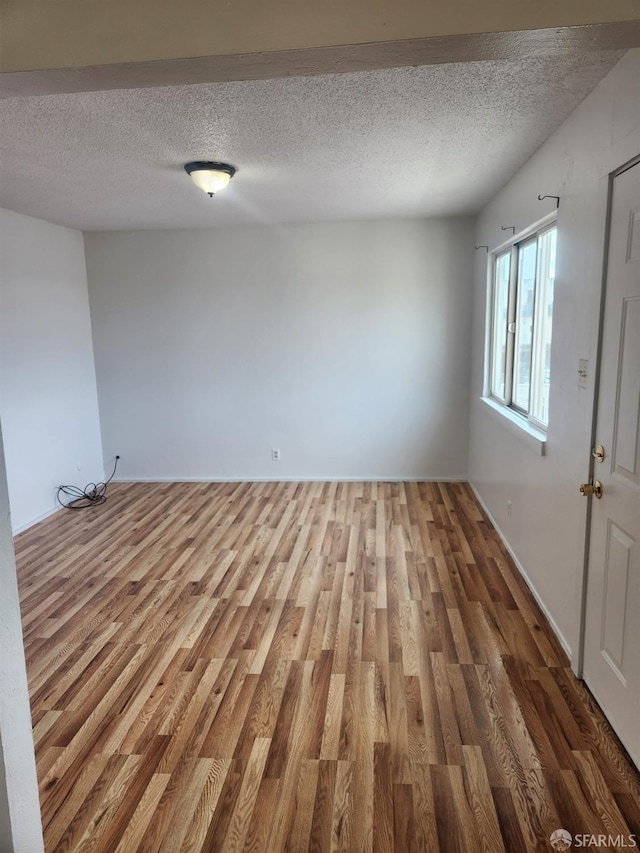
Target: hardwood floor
(303, 667)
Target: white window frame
(506, 404)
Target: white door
(612, 627)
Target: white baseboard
(527, 579)
(23, 527)
(321, 479)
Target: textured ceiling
(426, 141)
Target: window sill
(518, 426)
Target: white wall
(345, 345)
(20, 828)
(5, 818)
(48, 399)
(547, 528)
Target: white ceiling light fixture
(210, 177)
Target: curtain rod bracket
(557, 198)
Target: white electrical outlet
(509, 509)
(275, 454)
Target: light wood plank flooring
(303, 667)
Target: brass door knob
(588, 489)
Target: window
(521, 320)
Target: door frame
(578, 665)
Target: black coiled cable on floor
(92, 494)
